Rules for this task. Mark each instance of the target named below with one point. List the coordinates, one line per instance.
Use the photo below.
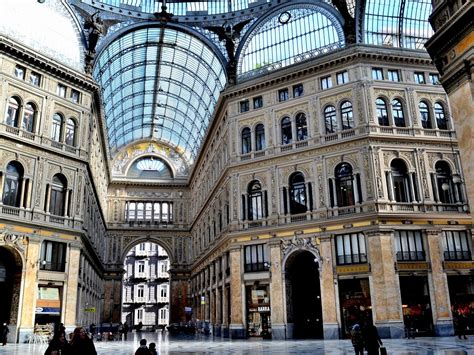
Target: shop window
(326, 82)
(409, 246)
(12, 184)
(416, 305)
(434, 79)
(20, 72)
(377, 74)
(246, 141)
(298, 90)
(244, 106)
(260, 137)
(301, 127)
(297, 193)
(344, 185)
(58, 194)
(456, 246)
(393, 75)
(256, 258)
(382, 112)
(61, 90)
(342, 77)
(283, 95)
(440, 116)
(330, 119)
(53, 256)
(355, 302)
(56, 130)
(286, 133)
(28, 122)
(397, 113)
(70, 132)
(35, 79)
(425, 115)
(347, 118)
(75, 96)
(258, 310)
(351, 249)
(12, 114)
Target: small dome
(49, 28)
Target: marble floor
(168, 345)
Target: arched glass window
(397, 113)
(425, 115)
(286, 134)
(301, 127)
(260, 137)
(246, 140)
(58, 194)
(347, 117)
(255, 201)
(440, 116)
(401, 186)
(444, 182)
(382, 112)
(70, 131)
(28, 123)
(12, 112)
(330, 119)
(297, 194)
(57, 127)
(344, 185)
(11, 187)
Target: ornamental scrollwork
(297, 243)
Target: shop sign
(48, 310)
(458, 264)
(412, 266)
(353, 269)
(90, 309)
(203, 299)
(188, 309)
(264, 309)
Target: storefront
(258, 311)
(461, 294)
(355, 303)
(48, 306)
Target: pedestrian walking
(372, 340)
(357, 339)
(143, 349)
(152, 348)
(58, 345)
(81, 344)
(4, 333)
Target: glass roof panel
(159, 83)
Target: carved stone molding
(300, 243)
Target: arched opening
(304, 312)
(10, 282)
(146, 287)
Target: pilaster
(328, 291)
(70, 287)
(236, 327)
(276, 293)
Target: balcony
(162, 300)
(457, 255)
(140, 275)
(411, 256)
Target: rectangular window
(139, 314)
(164, 292)
(61, 90)
(141, 266)
(256, 258)
(75, 95)
(419, 78)
(298, 90)
(283, 95)
(326, 83)
(342, 77)
(377, 74)
(257, 102)
(53, 256)
(456, 246)
(244, 106)
(35, 79)
(20, 72)
(409, 246)
(434, 79)
(350, 249)
(141, 291)
(393, 75)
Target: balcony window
(344, 185)
(301, 127)
(382, 112)
(53, 256)
(286, 133)
(12, 184)
(330, 119)
(58, 195)
(297, 193)
(440, 116)
(259, 137)
(351, 249)
(283, 95)
(246, 140)
(70, 132)
(12, 114)
(256, 258)
(425, 115)
(456, 246)
(397, 113)
(347, 117)
(409, 246)
(255, 198)
(57, 127)
(29, 113)
(400, 181)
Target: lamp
(445, 186)
(267, 265)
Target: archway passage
(304, 296)
(10, 278)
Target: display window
(258, 311)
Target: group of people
(80, 343)
(366, 337)
(146, 350)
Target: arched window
(344, 185)
(347, 117)
(260, 137)
(57, 127)
(58, 195)
(297, 194)
(444, 182)
(401, 185)
(28, 123)
(330, 119)
(286, 134)
(440, 116)
(397, 113)
(425, 115)
(382, 112)
(12, 185)
(246, 140)
(301, 127)
(255, 198)
(13, 110)
(70, 131)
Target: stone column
(70, 288)
(277, 299)
(236, 327)
(28, 194)
(22, 192)
(328, 292)
(385, 286)
(29, 289)
(2, 178)
(438, 282)
(217, 328)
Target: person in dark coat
(152, 348)
(57, 344)
(81, 344)
(357, 339)
(125, 330)
(4, 333)
(143, 349)
(372, 339)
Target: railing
(162, 299)
(411, 255)
(140, 275)
(351, 259)
(50, 266)
(457, 255)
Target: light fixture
(267, 265)
(445, 186)
(456, 179)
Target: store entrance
(304, 313)
(10, 279)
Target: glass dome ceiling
(160, 84)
